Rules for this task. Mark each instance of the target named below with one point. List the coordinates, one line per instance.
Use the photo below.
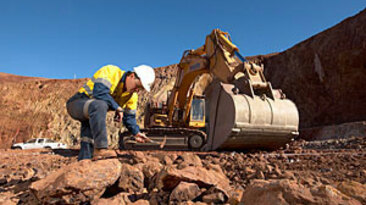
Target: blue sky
(63, 38)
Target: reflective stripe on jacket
(110, 76)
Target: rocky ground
(324, 75)
(317, 172)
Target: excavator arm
(190, 67)
(195, 63)
(218, 57)
(240, 109)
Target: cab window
(49, 140)
(197, 109)
(31, 141)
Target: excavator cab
(239, 110)
(197, 113)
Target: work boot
(103, 154)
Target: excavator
(239, 109)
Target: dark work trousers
(92, 115)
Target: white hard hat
(146, 75)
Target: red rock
(324, 75)
(259, 175)
(214, 198)
(7, 198)
(140, 202)
(273, 192)
(170, 177)
(188, 159)
(277, 170)
(235, 195)
(149, 169)
(353, 189)
(249, 171)
(119, 199)
(288, 175)
(327, 194)
(131, 180)
(138, 157)
(164, 158)
(155, 199)
(184, 192)
(79, 182)
(193, 203)
(269, 168)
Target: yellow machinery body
(239, 109)
(241, 122)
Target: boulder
(131, 180)
(185, 192)
(8, 198)
(166, 159)
(150, 168)
(284, 191)
(141, 202)
(138, 156)
(79, 182)
(119, 199)
(171, 176)
(157, 198)
(353, 189)
(187, 159)
(214, 198)
(276, 192)
(327, 194)
(235, 195)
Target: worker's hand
(118, 116)
(142, 138)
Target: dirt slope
(324, 75)
(6, 78)
(35, 107)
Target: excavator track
(167, 138)
(239, 109)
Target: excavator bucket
(243, 122)
(242, 111)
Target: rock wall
(35, 107)
(325, 74)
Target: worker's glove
(118, 116)
(141, 138)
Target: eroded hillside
(35, 107)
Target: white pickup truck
(39, 143)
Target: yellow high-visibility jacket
(110, 76)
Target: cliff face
(35, 107)
(32, 107)
(324, 75)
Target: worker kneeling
(110, 88)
